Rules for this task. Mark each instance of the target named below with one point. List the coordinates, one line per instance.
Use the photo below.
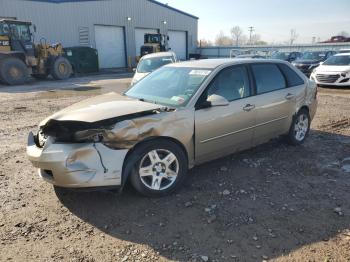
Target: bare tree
(293, 36)
(223, 40)
(205, 42)
(236, 33)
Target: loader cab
(154, 43)
(16, 36)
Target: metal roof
(152, 1)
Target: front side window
(231, 83)
(170, 86)
(150, 64)
(268, 78)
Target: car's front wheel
(160, 167)
(300, 127)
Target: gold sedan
(177, 117)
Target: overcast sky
(272, 19)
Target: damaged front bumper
(77, 165)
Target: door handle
(248, 107)
(289, 96)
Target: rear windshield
(150, 64)
(313, 55)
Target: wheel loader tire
(13, 71)
(61, 68)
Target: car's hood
(330, 68)
(138, 76)
(306, 61)
(102, 107)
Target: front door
(221, 130)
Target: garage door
(140, 37)
(110, 45)
(177, 43)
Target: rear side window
(268, 77)
(292, 77)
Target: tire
(13, 71)
(61, 69)
(300, 127)
(158, 177)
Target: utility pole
(251, 30)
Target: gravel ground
(274, 202)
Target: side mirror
(134, 70)
(216, 100)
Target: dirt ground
(274, 202)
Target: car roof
(214, 63)
(160, 54)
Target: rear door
(222, 130)
(278, 88)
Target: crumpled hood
(330, 68)
(102, 107)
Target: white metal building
(115, 28)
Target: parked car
(179, 116)
(287, 56)
(151, 62)
(310, 60)
(250, 56)
(335, 71)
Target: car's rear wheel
(160, 167)
(300, 127)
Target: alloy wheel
(159, 169)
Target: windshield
(16, 31)
(312, 56)
(150, 64)
(343, 60)
(170, 86)
(279, 55)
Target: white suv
(335, 71)
(150, 63)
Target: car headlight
(345, 74)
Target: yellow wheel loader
(20, 57)
(154, 43)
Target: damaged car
(178, 117)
